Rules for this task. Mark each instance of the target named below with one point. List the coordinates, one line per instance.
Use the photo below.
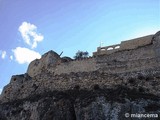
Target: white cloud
(30, 35)
(25, 55)
(3, 54)
(11, 57)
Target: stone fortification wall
(49, 73)
(67, 75)
(49, 59)
(128, 66)
(127, 55)
(58, 67)
(134, 43)
(55, 65)
(125, 45)
(85, 65)
(139, 48)
(128, 60)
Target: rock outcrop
(119, 85)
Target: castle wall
(129, 60)
(139, 48)
(127, 55)
(125, 45)
(86, 73)
(95, 63)
(128, 66)
(134, 43)
(85, 65)
(49, 59)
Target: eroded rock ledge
(82, 104)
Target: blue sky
(29, 28)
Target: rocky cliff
(121, 85)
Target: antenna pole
(61, 53)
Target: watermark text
(139, 115)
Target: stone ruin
(133, 64)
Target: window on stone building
(117, 47)
(110, 48)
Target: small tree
(81, 54)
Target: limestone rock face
(108, 104)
